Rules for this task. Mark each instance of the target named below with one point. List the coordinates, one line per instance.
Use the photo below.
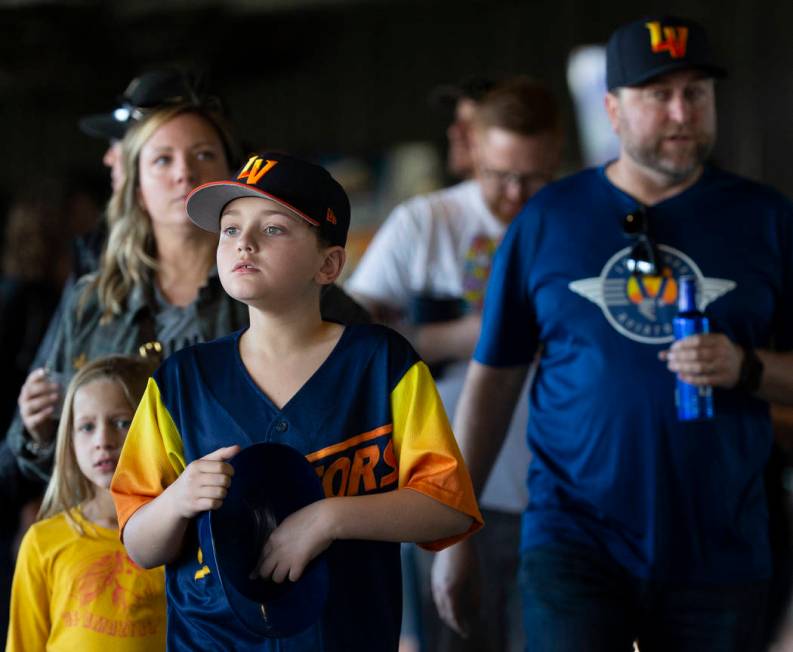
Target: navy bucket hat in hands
(270, 482)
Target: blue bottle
(694, 403)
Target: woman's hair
(130, 254)
(68, 487)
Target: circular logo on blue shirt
(642, 307)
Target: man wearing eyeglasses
(639, 526)
(426, 272)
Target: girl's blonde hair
(68, 487)
(130, 255)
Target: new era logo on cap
(647, 48)
(305, 189)
(668, 39)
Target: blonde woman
(74, 586)
(155, 282)
(156, 289)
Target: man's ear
(332, 265)
(612, 102)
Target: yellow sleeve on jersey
(429, 459)
(152, 457)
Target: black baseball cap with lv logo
(644, 49)
(305, 189)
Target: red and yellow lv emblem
(670, 39)
(330, 216)
(253, 170)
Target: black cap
(653, 46)
(148, 91)
(271, 481)
(446, 96)
(305, 189)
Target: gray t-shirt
(176, 326)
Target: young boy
(355, 400)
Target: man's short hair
(521, 105)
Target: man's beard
(651, 156)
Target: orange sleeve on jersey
(429, 460)
(152, 457)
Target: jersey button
(281, 426)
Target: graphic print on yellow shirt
(82, 592)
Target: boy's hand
(204, 483)
(292, 545)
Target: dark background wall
(352, 77)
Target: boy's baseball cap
(270, 482)
(307, 190)
(653, 46)
(148, 91)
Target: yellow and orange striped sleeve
(152, 457)
(429, 460)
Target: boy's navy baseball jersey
(369, 420)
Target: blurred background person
(460, 101)
(426, 273)
(35, 263)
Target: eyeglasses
(643, 258)
(504, 178)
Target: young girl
(74, 587)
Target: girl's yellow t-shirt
(82, 592)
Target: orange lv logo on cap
(330, 216)
(674, 40)
(253, 170)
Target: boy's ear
(335, 257)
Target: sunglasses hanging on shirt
(643, 259)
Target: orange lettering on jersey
(675, 39)
(390, 459)
(252, 171)
(339, 469)
(349, 443)
(363, 469)
(365, 463)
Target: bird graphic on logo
(116, 575)
(641, 307)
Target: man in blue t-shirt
(639, 526)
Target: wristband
(751, 372)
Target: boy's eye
(206, 155)
(85, 427)
(162, 160)
(230, 231)
(122, 423)
(271, 229)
